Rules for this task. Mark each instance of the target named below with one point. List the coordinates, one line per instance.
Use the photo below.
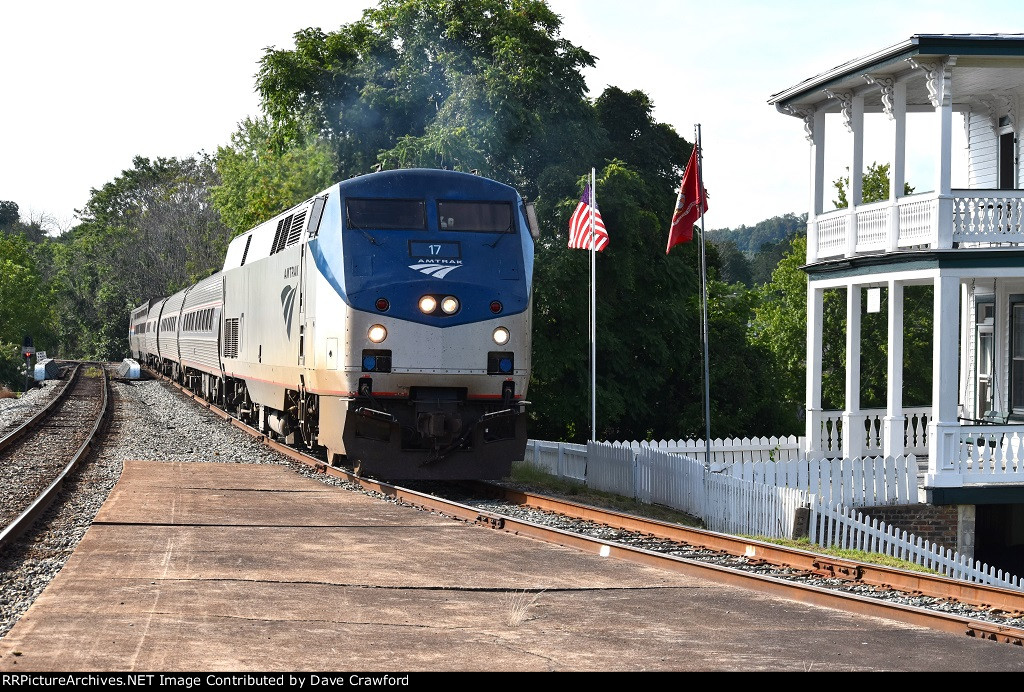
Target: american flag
(579, 225)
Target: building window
(1017, 356)
(985, 345)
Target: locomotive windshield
(386, 214)
(484, 217)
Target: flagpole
(593, 307)
(704, 304)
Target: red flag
(692, 196)
(579, 225)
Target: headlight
(377, 333)
(500, 336)
(428, 304)
(450, 305)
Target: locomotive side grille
(245, 252)
(231, 338)
(283, 226)
(295, 232)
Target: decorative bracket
(845, 99)
(939, 76)
(805, 114)
(888, 87)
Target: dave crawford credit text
(206, 680)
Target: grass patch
(854, 555)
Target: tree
(8, 214)
(485, 85)
(262, 174)
(149, 233)
(874, 186)
(24, 307)
(780, 326)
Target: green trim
(996, 46)
(977, 495)
(916, 260)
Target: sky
(86, 87)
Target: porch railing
(980, 218)
(829, 438)
(990, 453)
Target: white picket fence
(867, 482)
(752, 499)
(864, 482)
(725, 452)
(848, 529)
(652, 476)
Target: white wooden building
(967, 242)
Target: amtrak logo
(438, 271)
(287, 307)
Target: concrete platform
(231, 567)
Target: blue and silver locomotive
(387, 320)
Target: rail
(46, 497)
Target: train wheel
(308, 420)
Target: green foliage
(780, 324)
(24, 307)
(8, 214)
(874, 186)
(632, 135)
(262, 173)
(735, 268)
(149, 233)
(475, 84)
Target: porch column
(943, 427)
(939, 80)
(857, 167)
(853, 419)
(812, 420)
(894, 442)
(899, 158)
(899, 150)
(943, 174)
(817, 138)
(856, 126)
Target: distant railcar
(385, 321)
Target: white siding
(982, 151)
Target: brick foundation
(935, 524)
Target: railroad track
(912, 597)
(38, 456)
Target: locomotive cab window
(386, 214)
(480, 217)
